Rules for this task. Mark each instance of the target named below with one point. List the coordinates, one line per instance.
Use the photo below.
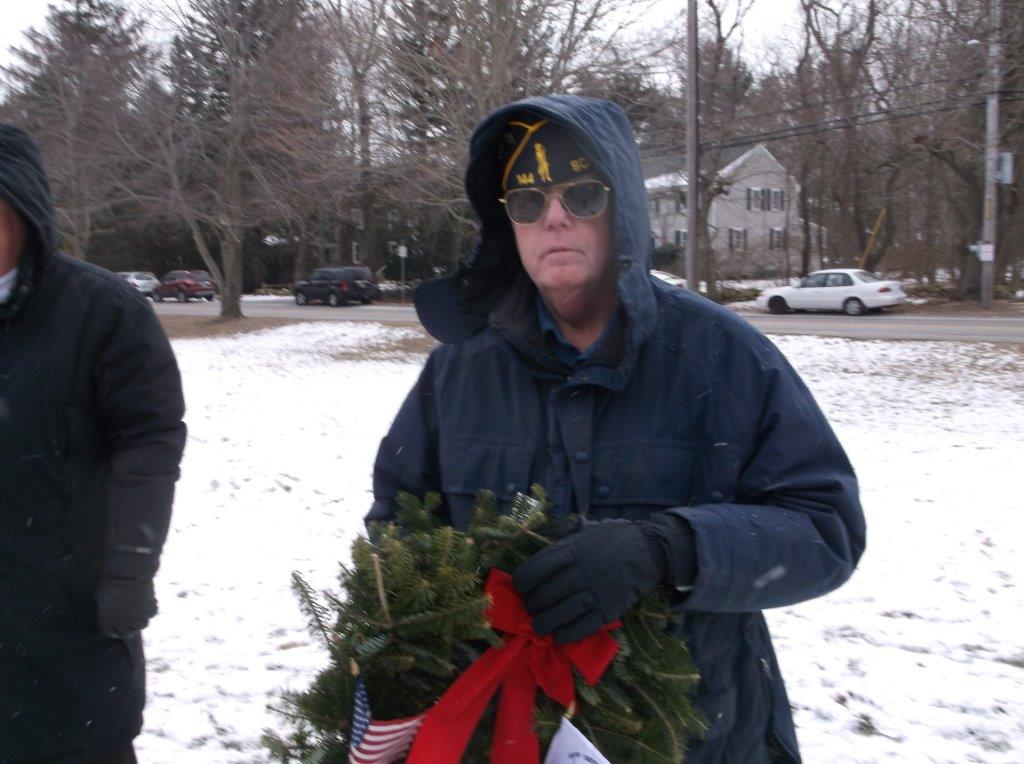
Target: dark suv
(336, 285)
(181, 285)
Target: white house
(753, 225)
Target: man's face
(565, 253)
(12, 236)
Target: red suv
(181, 285)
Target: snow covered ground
(919, 658)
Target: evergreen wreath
(411, 619)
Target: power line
(951, 103)
(838, 123)
(857, 96)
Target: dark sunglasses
(582, 199)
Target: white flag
(568, 746)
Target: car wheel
(333, 299)
(778, 305)
(209, 298)
(366, 301)
(157, 297)
(854, 307)
(181, 297)
(301, 299)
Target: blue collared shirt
(564, 350)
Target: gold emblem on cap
(525, 179)
(543, 166)
(530, 130)
(579, 165)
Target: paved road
(874, 326)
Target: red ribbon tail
(515, 742)
(449, 725)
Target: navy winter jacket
(686, 409)
(91, 435)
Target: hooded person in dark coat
(696, 455)
(91, 436)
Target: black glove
(125, 599)
(596, 575)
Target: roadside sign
(986, 252)
(1004, 168)
(403, 251)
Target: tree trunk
(367, 234)
(805, 221)
(302, 259)
(231, 257)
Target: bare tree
(239, 135)
(451, 62)
(359, 30)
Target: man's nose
(556, 215)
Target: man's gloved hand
(125, 599)
(124, 606)
(596, 575)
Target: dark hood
(457, 306)
(24, 186)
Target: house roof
(660, 163)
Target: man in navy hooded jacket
(90, 440)
(696, 455)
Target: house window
(680, 238)
(778, 199)
(776, 238)
(766, 199)
(737, 239)
(752, 193)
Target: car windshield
(200, 275)
(867, 276)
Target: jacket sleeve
(407, 457)
(140, 404)
(793, 529)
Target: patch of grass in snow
(1017, 661)
(409, 346)
(866, 726)
(193, 327)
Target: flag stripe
(378, 742)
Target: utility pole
(987, 246)
(692, 159)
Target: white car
(850, 290)
(144, 281)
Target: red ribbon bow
(523, 662)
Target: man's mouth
(559, 251)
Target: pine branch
(313, 609)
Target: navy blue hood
(24, 186)
(457, 306)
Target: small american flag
(376, 742)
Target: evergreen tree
(72, 87)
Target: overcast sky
(766, 21)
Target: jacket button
(603, 492)
(717, 496)
(510, 488)
(582, 457)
